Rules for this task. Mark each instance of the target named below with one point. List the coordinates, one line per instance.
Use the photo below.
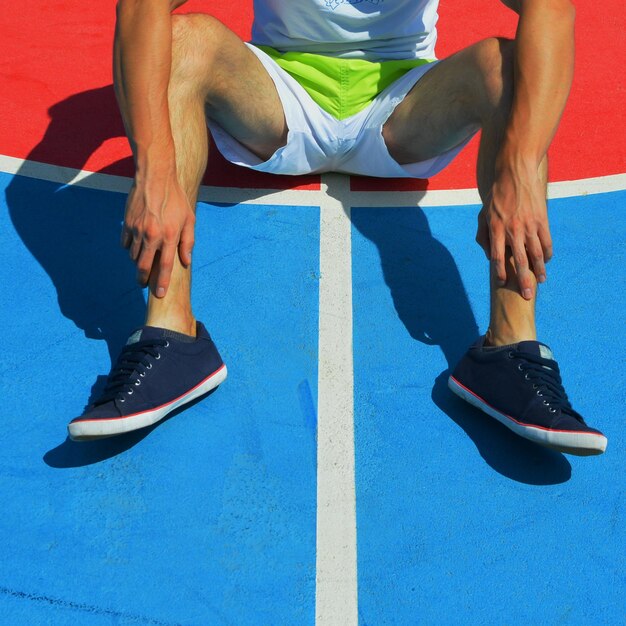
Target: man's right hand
(159, 223)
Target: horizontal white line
(301, 197)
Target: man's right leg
(172, 359)
(213, 73)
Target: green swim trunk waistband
(342, 87)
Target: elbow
(567, 10)
(124, 4)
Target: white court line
(336, 567)
(302, 197)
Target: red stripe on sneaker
(550, 430)
(156, 408)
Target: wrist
(155, 160)
(519, 153)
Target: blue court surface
(210, 517)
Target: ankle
(495, 338)
(180, 322)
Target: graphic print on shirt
(333, 4)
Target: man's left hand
(515, 222)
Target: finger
(522, 269)
(546, 242)
(497, 254)
(144, 263)
(185, 246)
(126, 236)
(135, 247)
(166, 263)
(535, 254)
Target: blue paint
(459, 521)
(209, 518)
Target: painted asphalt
(210, 517)
(207, 519)
(460, 521)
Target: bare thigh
(211, 62)
(451, 102)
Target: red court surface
(56, 65)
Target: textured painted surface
(208, 518)
(460, 521)
(56, 66)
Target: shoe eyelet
(526, 377)
(520, 368)
(122, 399)
(157, 357)
(130, 392)
(546, 402)
(149, 366)
(534, 386)
(142, 374)
(137, 383)
(167, 344)
(539, 393)
(552, 410)
(510, 354)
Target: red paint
(57, 105)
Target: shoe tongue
(135, 337)
(147, 333)
(536, 348)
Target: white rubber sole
(86, 430)
(579, 443)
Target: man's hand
(515, 222)
(159, 222)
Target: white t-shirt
(375, 30)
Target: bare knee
(494, 58)
(196, 40)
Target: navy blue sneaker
(520, 385)
(158, 371)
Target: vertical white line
(336, 565)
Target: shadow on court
(431, 301)
(80, 453)
(74, 232)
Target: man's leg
(470, 90)
(519, 383)
(213, 73)
(162, 367)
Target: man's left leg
(508, 374)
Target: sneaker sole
(89, 429)
(578, 443)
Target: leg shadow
(74, 232)
(431, 302)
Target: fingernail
(501, 282)
(160, 292)
(527, 293)
(542, 278)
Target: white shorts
(318, 142)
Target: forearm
(141, 68)
(544, 66)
